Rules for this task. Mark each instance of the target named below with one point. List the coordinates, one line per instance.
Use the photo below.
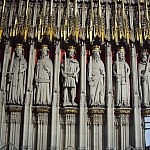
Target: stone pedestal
(40, 122)
(14, 125)
(97, 116)
(122, 117)
(69, 127)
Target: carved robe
(96, 82)
(44, 80)
(144, 82)
(121, 71)
(17, 79)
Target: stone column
(122, 128)
(15, 126)
(109, 98)
(42, 127)
(2, 124)
(109, 89)
(97, 119)
(135, 99)
(3, 90)
(27, 134)
(89, 134)
(83, 105)
(70, 130)
(61, 129)
(55, 101)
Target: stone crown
(96, 48)
(19, 45)
(121, 49)
(71, 48)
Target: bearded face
(121, 56)
(96, 55)
(19, 52)
(44, 52)
(71, 54)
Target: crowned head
(44, 46)
(71, 51)
(96, 51)
(121, 50)
(19, 49)
(121, 53)
(71, 48)
(44, 50)
(96, 48)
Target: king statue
(17, 77)
(121, 72)
(96, 78)
(144, 78)
(70, 73)
(43, 78)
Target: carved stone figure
(43, 78)
(17, 77)
(96, 78)
(121, 72)
(144, 78)
(70, 70)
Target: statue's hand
(75, 74)
(65, 75)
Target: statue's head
(144, 55)
(44, 50)
(71, 51)
(96, 51)
(121, 53)
(19, 49)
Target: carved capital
(146, 111)
(43, 118)
(97, 119)
(122, 116)
(70, 119)
(15, 117)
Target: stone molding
(41, 109)
(146, 111)
(119, 111)
(13, 108)
(95, 110)
(69, 110)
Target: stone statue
(17, 77)
(144, 78)
(96, 78)
(70, 72)
(121, 72)
(43, 78)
